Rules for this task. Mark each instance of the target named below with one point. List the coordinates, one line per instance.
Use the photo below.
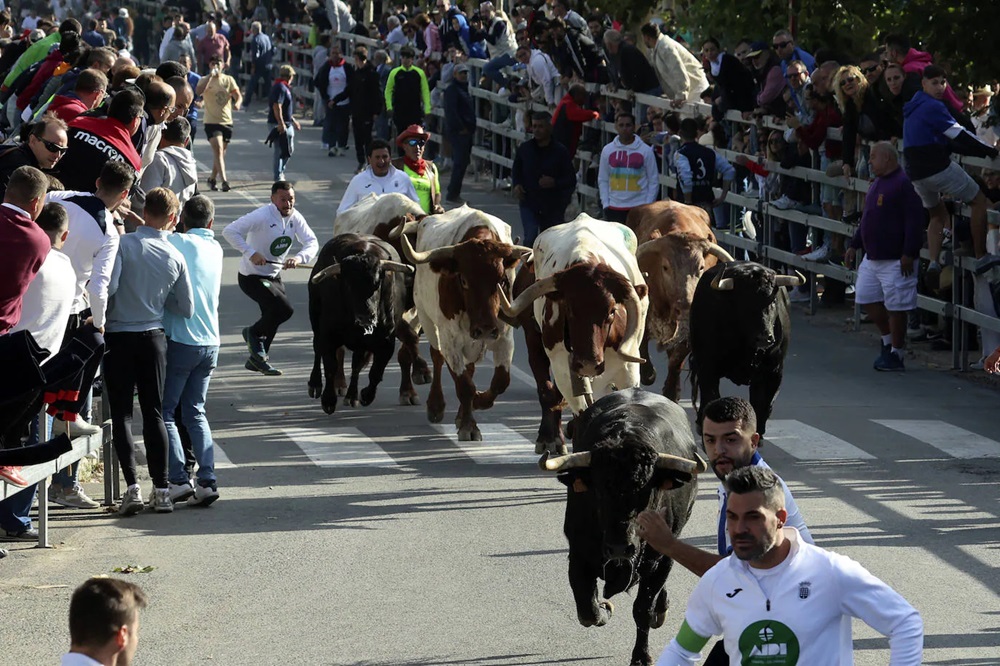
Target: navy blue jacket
(459, 109)
(930, 135)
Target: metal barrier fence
(502, 140)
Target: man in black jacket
(577, 52)
(460, 127)
(366, 102)
(42, 148)
(543, 179)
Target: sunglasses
(781, 45)
(849, 79)
(869, 70)
(416, 142)
(54, 147)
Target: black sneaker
(263, 367)
(225, 186)
(254, 344)
(890, 362)
(213, 184)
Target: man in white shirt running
(779, 600)
(380, 177)
(729, 434)
(264, 238)
(104, 623)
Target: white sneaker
(160, 501)
(55, 493)
(131, 502)
(203, 496)
(326, 146)
(820, 254)
(179, 492)
(74, 498)
(80, 428)
(784, 203)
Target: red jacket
(67, 108)
(814, 134)
(42, 77)
(567, 122)
(25, 247)
(92, 142)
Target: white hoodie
(174, 168)
(628, 176)
(798, 612)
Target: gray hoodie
(174, 168)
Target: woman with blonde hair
(850, 87)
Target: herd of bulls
(589, 297)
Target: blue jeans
(279, 163)
(189, 370)
(491, 70)
(15, 511)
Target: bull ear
(445, 267)
(641, 290)
(574, 480)
(511, 261)
(655, 234)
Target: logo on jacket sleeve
(768, 643)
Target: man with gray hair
(261, 52)
(891, 234)
(192, 355)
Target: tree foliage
(960, 35)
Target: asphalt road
(370, 537)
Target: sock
(887, 339)
(897, 352)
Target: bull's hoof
(434, 415)
(368, 395)
(470, 434)
(658, 620)
(605, 610)
(483, 400)
(558, 448)
(407, 399)
(315, 391)
(420, 375)
(641, 660)
(352, 402)
(329, 404)
(341, 390)
(541, 447)
(647, 374)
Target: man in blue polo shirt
(729, 433)
(193, 353)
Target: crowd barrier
(496, 142)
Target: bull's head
(673, 265)
(599, 308)
(360, 278)
(757, 289)
(624, 475)
(480, 269)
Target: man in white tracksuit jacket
(264, 238)
(783, 602)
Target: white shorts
(953, 181)
(881, 282)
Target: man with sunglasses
(422, 173)
(379, 178)
(784, 45)
(42, 148)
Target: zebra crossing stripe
(805, 442)
(222, 461)
(500, 446)
(956, 442)
(339, 447)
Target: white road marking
(339, 447)
(500, 446)
(522, 376)
(222, 461)
(805, 442)
(956, 442)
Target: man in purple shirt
(891, 235)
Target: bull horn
(721, 283)
(404, 227)
(329, 271)
(425, 257)
(720, 253)
(560, 463)
(396, 266)
(667, 461)
(528, 296)
(522, 250)
(790, 280)
(632, 320)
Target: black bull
(633, 451)
(739, 329)
(356, 300)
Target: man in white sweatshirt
(780, 600)
(380, 177)
(264, 238)
(628, 175)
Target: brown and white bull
(465, 259)
(377, 215)
(676, 245)
(587, 302)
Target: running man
(264, 238)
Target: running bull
(582, 305)
(465, 262)
(633, 451)
(356, 300)
(740, 330)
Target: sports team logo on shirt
(280, 245)
(804, 589)
(768, 643)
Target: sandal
(211, 185)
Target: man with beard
(781, 600)
(729, 433)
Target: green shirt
(426, 185)
(35, 52)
